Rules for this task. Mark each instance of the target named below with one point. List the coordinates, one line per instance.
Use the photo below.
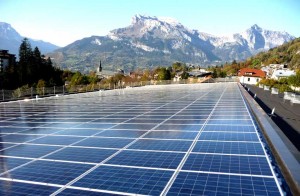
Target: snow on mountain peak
(8, 32)
(169, 20)
(138, 18)
(256, 27)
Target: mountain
(11, 40)
(152, 41)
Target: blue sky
(64, 21)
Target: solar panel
(197, 139)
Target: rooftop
(251, 72)
(155, 140)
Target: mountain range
(160, 41)
(11, 40)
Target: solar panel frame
(171, 139)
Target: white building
(250, 76)
(282, 73)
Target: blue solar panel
(32, 151)
(249, 148)
(229, 136)
(184, 121)
(4, 129)
(8, 188)
(148, 159)
(40, 130)
(135, 126)
(230, 122)
(122, 133)
(96, 125)
(183, 140)
(16, 138)
(8, 163)
(78, 192)
(128, 180)
(56, 140)
(81, 154)
(179, 127)
(228, 164)
(164, 145)
(171, 135)
(78, 132)
(104, 142)
(49, 172)
(229, 128)
(190, 183)
(190, 117)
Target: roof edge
(278, 144)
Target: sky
(62, 22)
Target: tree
(185, 75)
(164, 74)
(39, 87)
(25, 56)
(294, 80)
(214, 74)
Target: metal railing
(31, 92)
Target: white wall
(249, 80)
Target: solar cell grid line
(106, 115)
(42, 156)
(125, 147)
(175, 174)
(262, 146)
(54, 151)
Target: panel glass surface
(90, 155)
(249, 148)
(148, 159)
(228, 164)
(163, 145)
(49, 172)
(128, 180)
(229, 136)
(189, 183)
(188, 139)
(104, 142)
(8, 188)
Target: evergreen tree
(25, 55)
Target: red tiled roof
(252, 72)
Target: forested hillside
(288, 53)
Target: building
(250, 76)
(277, 71)
(102, 74)
(6, 59)
(282, 73)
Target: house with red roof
(250, 76)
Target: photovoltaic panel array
(197, 139)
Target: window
(248, 79)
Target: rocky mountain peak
(152, 41)
(10, 40)
(255, 27)
(8, 32)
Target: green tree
(39, 87)
(294, 80)
(25, 56)
(185, 75)
(164, 74)
(215, 73)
